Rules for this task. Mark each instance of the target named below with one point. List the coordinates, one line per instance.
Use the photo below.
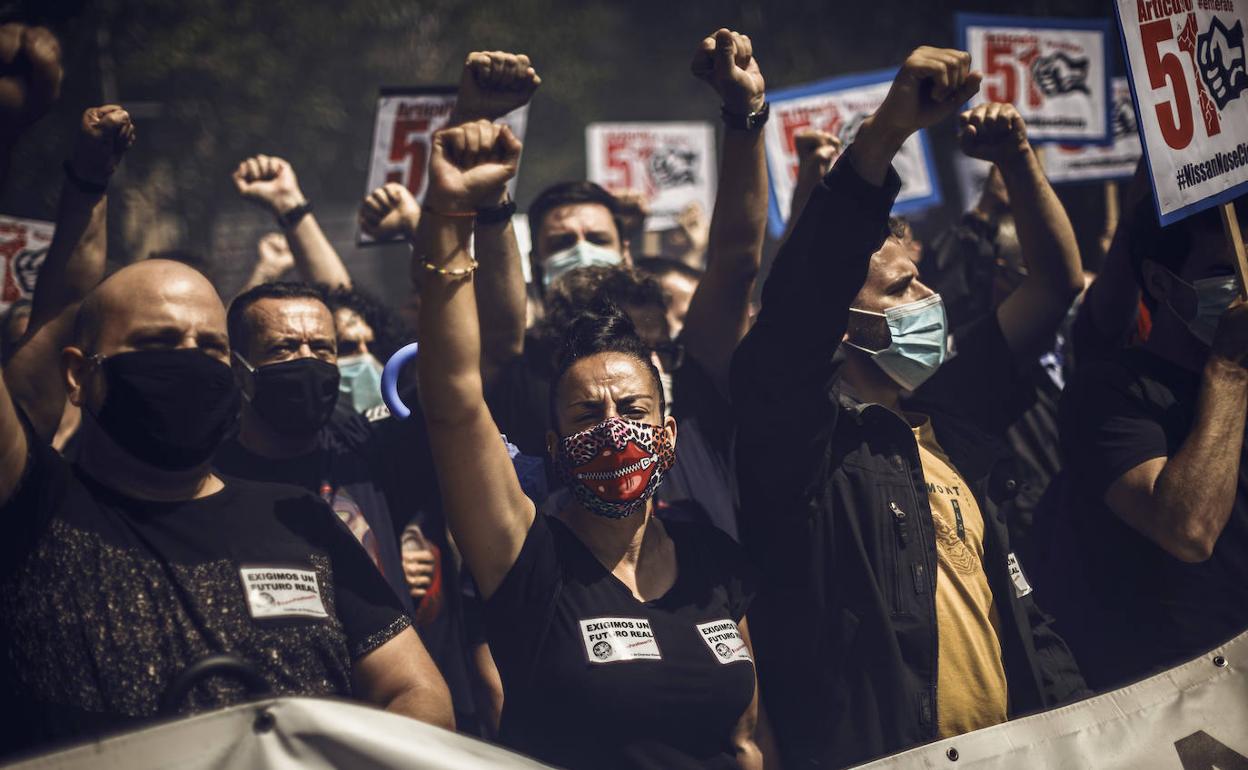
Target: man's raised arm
(271, 182)
(719, 311)
(73, 266)
(1031, 314)
(493, 84)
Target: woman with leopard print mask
(620, 639)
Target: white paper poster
(23, 247)
(670, 164)
(838, 106)
(1054, 71)
(1186, 60)
(1092, 163)
(403, 131)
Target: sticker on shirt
(1021, 586)
(282, 592)
(725, 641)
(610, 640)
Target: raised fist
(30, 75)
(389, 212)
(726, 61)
(494, 83)
(469, 166)
(816, 152)
(273, 257)
(103, 138)
(994, 132)
(270, 182)
(930, 86)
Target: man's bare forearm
(500, 293)
(76, 256)
(315, 258)
(1045, 234)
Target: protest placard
(1066, 163)
(1054, 71)
(403, 131)
(23, 246)
(838, 106)
(670, 164)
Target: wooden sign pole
(1235, 236)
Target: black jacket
(835, 508)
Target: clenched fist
(273, 257)
(816, 152)
(994, 132)
(270, 182)
(930, 86)
(494, 83)
(30, 75)
(726, 61)
(389, 212)
(469, 166)
(104, 135)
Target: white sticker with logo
(610, 640)
(1021, 586)
(724, 640)
(282, 592)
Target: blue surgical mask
(1213, 296)
(580, 254)
(919, 341)
(360, 381)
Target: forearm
(806, 183)
(1195, 491)
(500, 295)
(426, 701)
(75, 260)
(1112, 301)
(315, 258)
(1045, 235)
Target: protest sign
(1066, 163)
(670, 164)
(1054, 71)
(23, 246)
(1188, 77)
(838, 106)
(403, 133)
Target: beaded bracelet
(462, 272)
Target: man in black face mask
(121, 571)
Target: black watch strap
(751, 122)
(496, 215)
(292, 217)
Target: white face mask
(579, 254)
(360, 381)
(919, 333)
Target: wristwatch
(291, 217)
(496, 215)
(754, 120)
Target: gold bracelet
(462, 272)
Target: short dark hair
(387, 326)
(1168, 246)
(236, 317)
(661, 266)
(566, 193)
(586, 287)
(601, 328)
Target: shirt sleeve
(1107, 427)
(370, 613)
(40, 492)
(518, 613)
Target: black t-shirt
(346, 471)
(594, 678)
(104, 599)
(1136, 608)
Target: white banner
(1191, 717)
(1090, 163)
(838, 106)
(23, 246)
(403, 131)
(1054, 71)
(284, 733)
(1186, 59)
(670, 164)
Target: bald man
(125, 568)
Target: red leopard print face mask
(614, 467)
